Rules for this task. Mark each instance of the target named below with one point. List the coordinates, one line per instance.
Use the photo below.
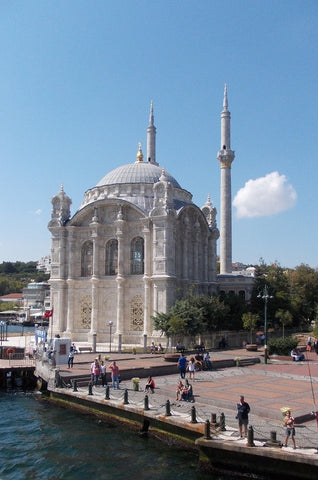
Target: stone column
(94, 318)
(120, 305)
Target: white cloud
(38, 211)
(264, 196)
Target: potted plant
(135, 383)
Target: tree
(304, 298)
(249, 322)
(285, 318)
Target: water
(20, 330)
(39, 440)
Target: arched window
(87, 259)
(137, 256)
(111, 263)
(242, 294)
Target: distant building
(12, 297)
(44, 264)
(36, 296)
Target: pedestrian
(243, 409)
(179, 390)
(182, 365)
(191, 368)
(70, 360)
(114, 374)
(309, 342)
(150, 385)
(103, 373)
(289, 422)
(207, 361)
(92, 370)
(96, 372)
(187, 392)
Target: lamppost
(110, 336)
(265, 296)
(2, 331)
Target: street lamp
(3, 326)
(265, 296)
(110, 336)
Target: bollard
(207, 430)
(193, 415)
(250, 437)
(168, 413)
(273, 436)
(273, 442)
(90, 389)
(107, 393)
(222, 422)
(213, 420)
(126, 397)
(146, 403)
(75, 386)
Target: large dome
(138, 172)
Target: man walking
(114, 374)
(243, 409)
(182, 365)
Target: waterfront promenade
(267, 388)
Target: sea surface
(39, 440)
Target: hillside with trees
(14, 276)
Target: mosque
(136, 243)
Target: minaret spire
(225, 156)
(225, 104)
(151, 138)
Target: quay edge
(215, 455)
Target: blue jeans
(115, 379)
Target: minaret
(151, 139)
(225, 157)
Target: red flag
(48, 314)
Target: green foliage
(282, 346)
(8, 306)
(192, 315)
(285, 318)
(291, 290)
(250, 321)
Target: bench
(85, 349)
(247, 362)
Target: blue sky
(76, 81)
